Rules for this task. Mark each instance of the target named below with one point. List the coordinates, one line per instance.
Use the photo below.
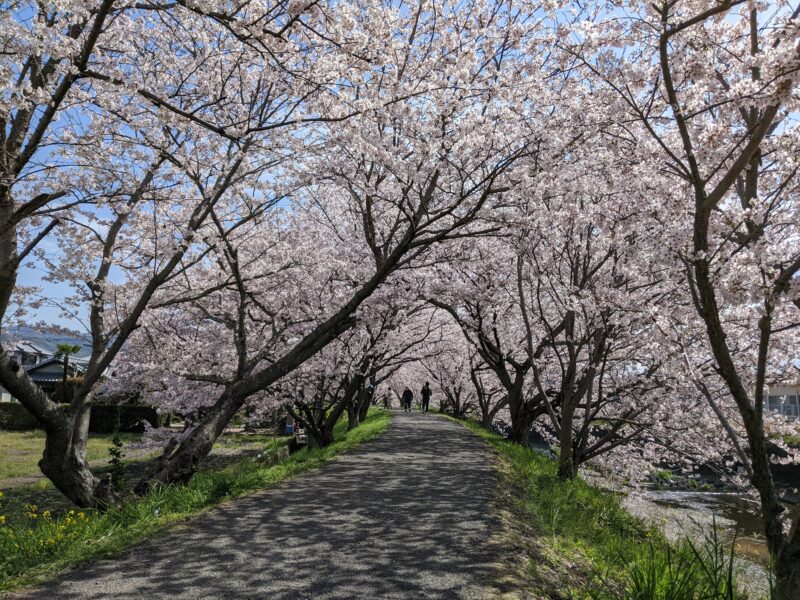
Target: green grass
(579, 542)
(793, 441)
(663, 475)
(244, 440)
(33, 548)
(20, 451)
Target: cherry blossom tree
(123, 126)
(478, 301)
(427, 148)
(709, 91)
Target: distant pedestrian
(426, 396)
(408, 396)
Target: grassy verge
(36, 545)
(572, 540)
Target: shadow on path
(404, 516)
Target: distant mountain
(47, 337)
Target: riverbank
(681, 522)
(570, 539)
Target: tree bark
(521, 418)
(366, 402)
(64, 463)
(352, 416)
(567, 469)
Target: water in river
(734, 507)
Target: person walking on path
(426, 396)
(408, 396)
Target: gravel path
(404, 516)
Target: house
(49, 374)
(34, 349)
(784, 399)
(27, 354)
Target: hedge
(131, 417)
(15, 417)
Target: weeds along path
(404, 516)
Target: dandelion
(2, 520)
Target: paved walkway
(404, 516)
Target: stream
(726, 505)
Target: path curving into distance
(403, 516)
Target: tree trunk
(67, 429)
(567, 469)
(64, 379)
(520, 430)
(352, 416)
(64, 463)
(8, 244)
(521, 417)
(180, 462)
(521, 420)
(785, 551)
(326, 434)
(486, 418)
(363, 409)
(183, 460)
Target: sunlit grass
(20, 451)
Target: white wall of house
(784, 399)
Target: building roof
(44, 341)
(75, 364)
(29, 348)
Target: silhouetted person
(408, 396)
(426, 396)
